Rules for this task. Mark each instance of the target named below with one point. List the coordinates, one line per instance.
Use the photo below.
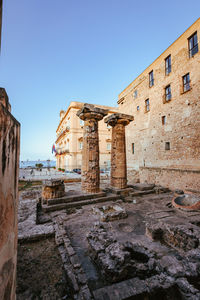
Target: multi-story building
(69, 141)
(163, 141)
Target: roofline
(77, 104)
(198, 20)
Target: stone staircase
(77, 201)
(109, 194)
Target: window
(133, 148)
(163, 120)
(168, 94)
(151, 80)
(108, 146)
(138, 108)
(186, 82)
(135, 94)
(68, 124)
(193, 45)
(167, 145)
(168, 65)
(81, 145)
(147, 105)
(81, 123)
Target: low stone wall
(132, 176)
(9, 167)
(172, 178)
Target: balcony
(62, 133)
(60, 151)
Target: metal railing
(62, 150)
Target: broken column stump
(52, 189)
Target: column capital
(89, 111)
(118, 118)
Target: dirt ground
(39, 272)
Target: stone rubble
(110, 212)
(121, 261)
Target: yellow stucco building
(69, 140)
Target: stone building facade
(69, 143)
(163, 142)
(9, 168)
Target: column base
(92, 191)
(122, 192)
(118, 183)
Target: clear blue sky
(54, 52)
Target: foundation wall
(171, 178)
(9, 168)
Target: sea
(32, 163)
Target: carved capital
(118, 118)
(89, 112)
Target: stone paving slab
(27, 227)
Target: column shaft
(90, 175)
(118, 157)
(90, 157)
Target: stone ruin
(110, 212)
(116, 249)
(151, 255)
(90, 178)
(137, 270)
(52, 189)
(119, 261)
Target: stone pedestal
(90, 173)
(118, 151)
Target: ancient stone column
(118, 151)
(90, 173)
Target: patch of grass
(72, 180)
(23, 184)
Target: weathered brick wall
(132, 176)
(182, 112)
(172, 178)
(9, 161)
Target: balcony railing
(67, 129)
(60, 151)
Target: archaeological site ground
(131, 244)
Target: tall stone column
(118, 151)
(90, 173)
